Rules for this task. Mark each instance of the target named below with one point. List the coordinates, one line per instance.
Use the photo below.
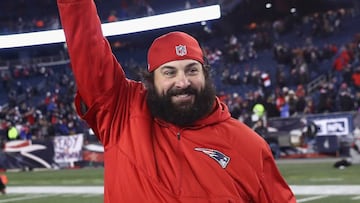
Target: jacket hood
(220, 113)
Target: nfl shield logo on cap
(181, 50)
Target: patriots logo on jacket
(221, 158)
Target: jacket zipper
(180, 159)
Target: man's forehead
(180, 64)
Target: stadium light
(268, 5)
(117, 28)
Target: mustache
(188, 90)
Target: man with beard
(169, 139)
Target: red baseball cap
(171, 47)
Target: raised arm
(95, 68)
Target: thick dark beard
(182, 115)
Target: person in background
(260, 128)
(3, 182)
(167, 138)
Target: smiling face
(180, 80)
(181, 92)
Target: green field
(319, 174)
(46, 198)
(88, 176)
(295, 173)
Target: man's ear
(206, 67)
(147, 78)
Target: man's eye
(169, 73)
(193, 71)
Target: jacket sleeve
(95, 68)
(275, 188)
(102, 88)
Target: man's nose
(182, 81)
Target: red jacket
(149, 160)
